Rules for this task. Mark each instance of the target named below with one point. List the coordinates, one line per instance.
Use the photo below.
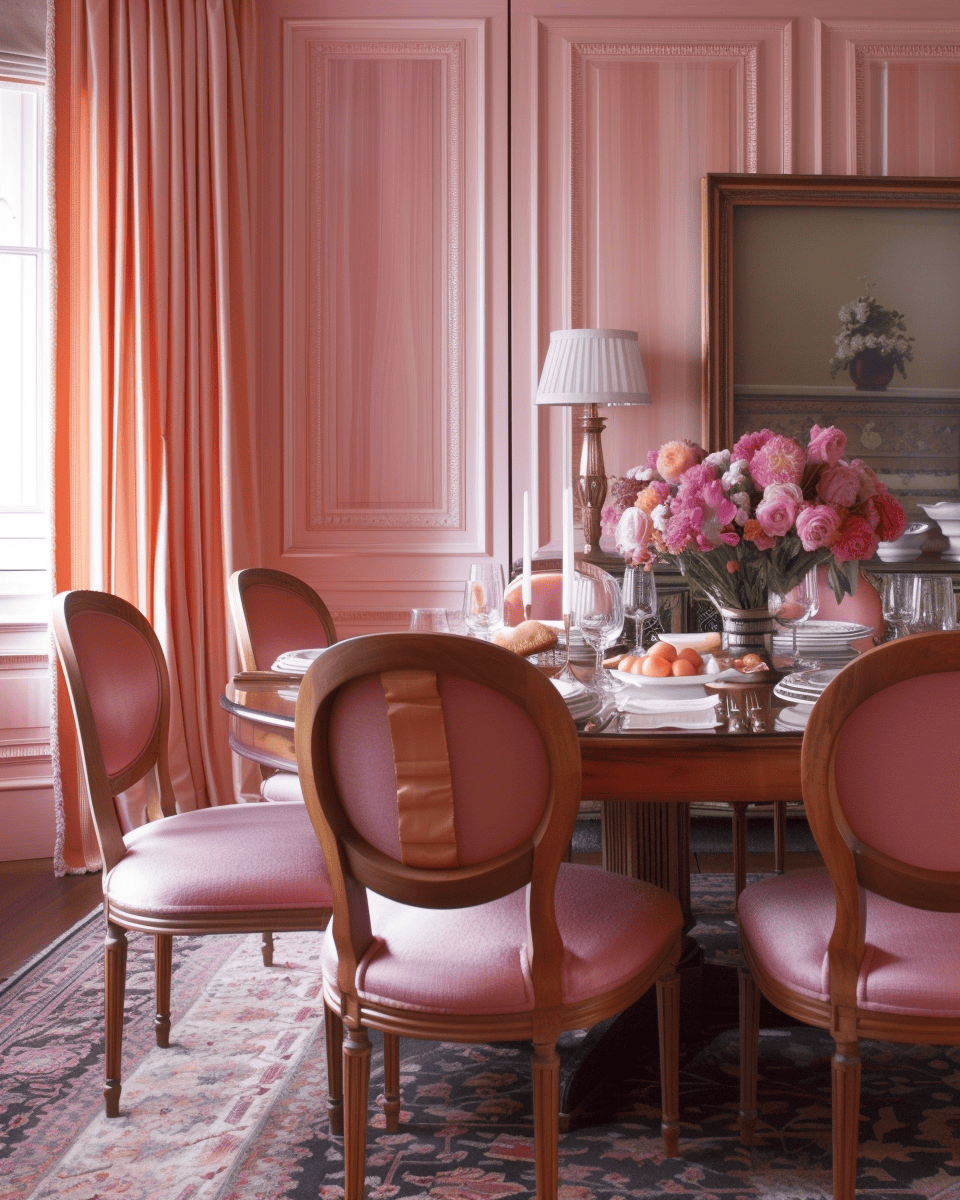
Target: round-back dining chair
(233, 868)
(442, 775)
(274, 612)
(546, 593)
(868, 946)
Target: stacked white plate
(296, 662)
(801, 691)
(827, 642)
(581, 701)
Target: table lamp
(593, 367)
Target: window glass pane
(19, 411)
(19, 162)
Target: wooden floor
(36, 906)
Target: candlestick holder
(566, 674)
(527, 610)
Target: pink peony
(779, 460)
(778, 509)
(839, 484)
(855, 541)
(634, 530)
(749, 444)
(652, 460)
(817, 526)
(891, 520)
(676, 457)
(826, 445)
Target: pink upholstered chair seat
(912, 959)
(246, 857)
(474, 960)
(285, 785)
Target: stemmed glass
(483, 606)
(639, 601)
(598, 612)
(896, 598)
(794, 607)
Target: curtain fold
(154, 412)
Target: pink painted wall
(394, 425)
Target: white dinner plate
(297, 662)
(668, 681)
(793, 718)
(827, 632)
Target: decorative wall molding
(11, 660)
(366, 616)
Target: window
(24, 357)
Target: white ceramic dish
(907, 546)
(297, 662)
(827, 632)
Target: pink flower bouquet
(746, 522)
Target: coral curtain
(154, 464)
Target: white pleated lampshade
(593, 366)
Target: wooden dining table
(645, 781)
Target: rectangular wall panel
(891, 99)
(615, 121)
(385, 323)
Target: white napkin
(666, 712)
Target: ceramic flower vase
(748, 630)
(871, 372)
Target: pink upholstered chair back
(546, 592)
(119, 689)
(274, 612)
(438, 771)
(881, 772)
(864, 607)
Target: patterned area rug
(234, 1109)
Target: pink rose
(839, 484)
(855, 541)
(817, 526)
(634, 531)
(826, 445)
(653, 494)
(779, 460)
(778, 509)
(676, 457)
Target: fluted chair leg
(546, 1118)
(846, 1119)
(668, 1020)
(333, 1034)
(391, 1081)
(356, 1085)
(115, 982)
(749, 1054)
(266, 948)
(163, 970)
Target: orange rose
(648, 500)
(676, 457)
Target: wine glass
(639, 601)
(487, 570)
(598, 613)
(483, 606)
(794, 607)
(896, 597)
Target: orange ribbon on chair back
(424, 783)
